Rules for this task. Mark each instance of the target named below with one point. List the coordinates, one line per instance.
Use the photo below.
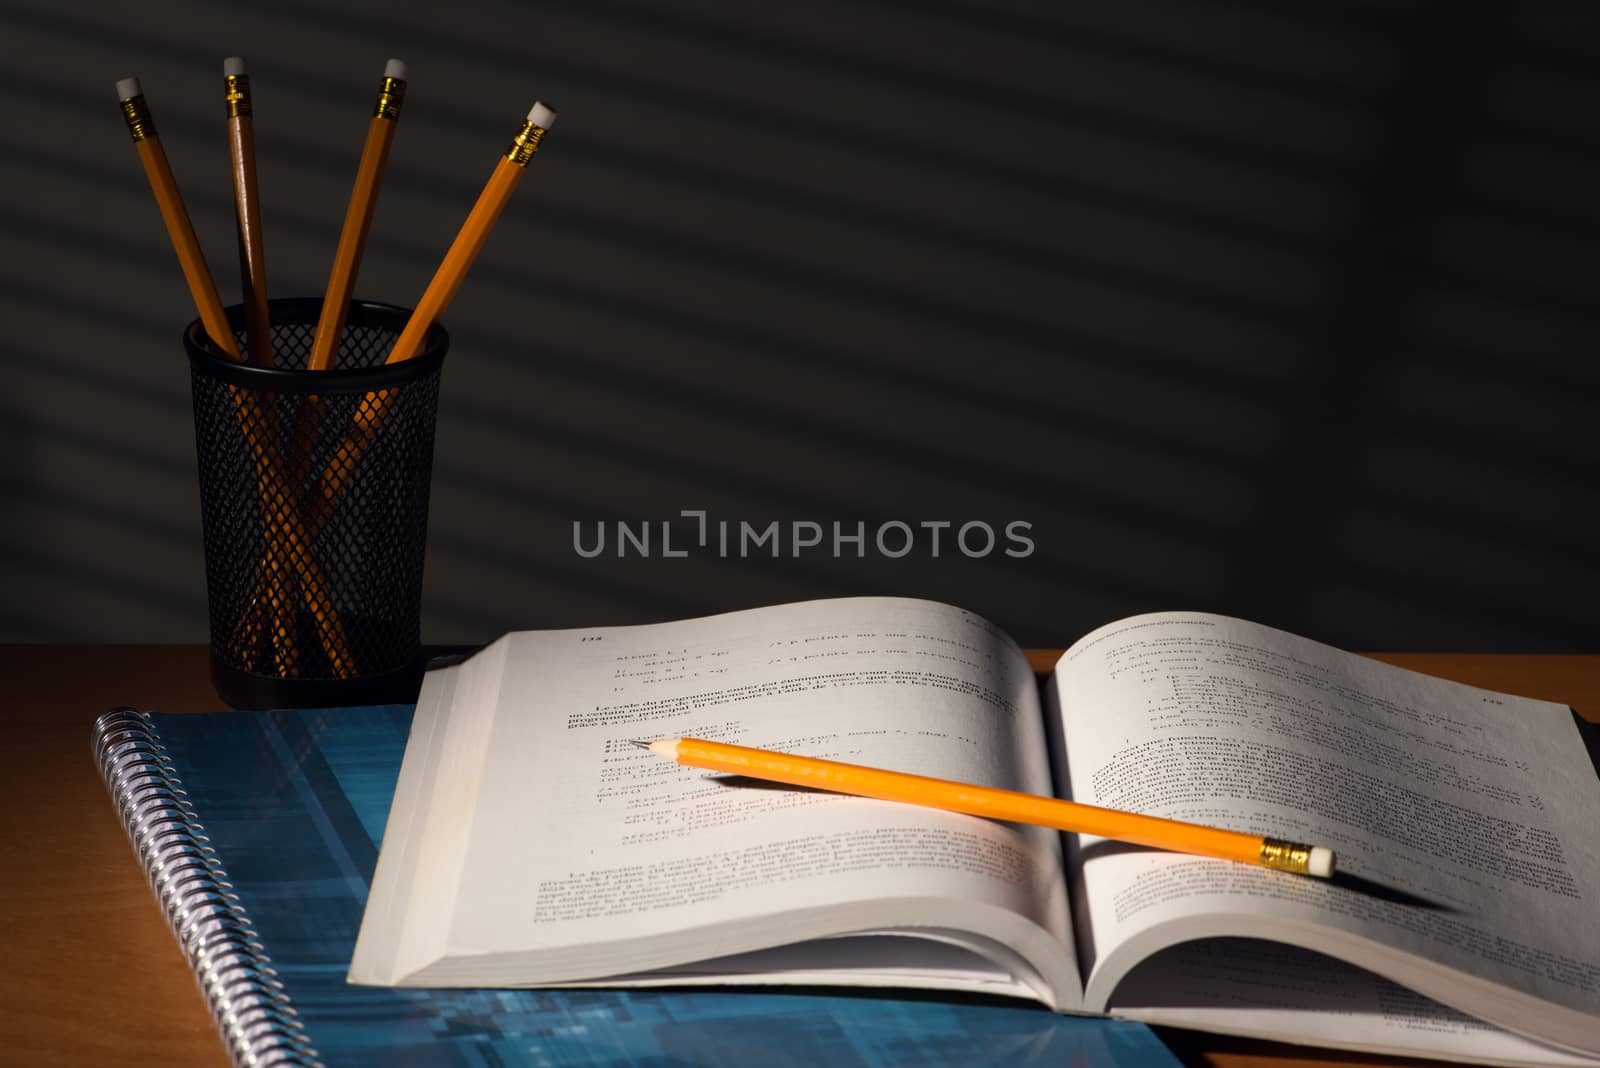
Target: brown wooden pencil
(358, 216)
(247, 212)
(257, 314)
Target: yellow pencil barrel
(474, 232)
(994, 803)
(358, 219)
(191, 260)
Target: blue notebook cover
(293, 806)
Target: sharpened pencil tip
(641, 745)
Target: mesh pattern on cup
(315, 505)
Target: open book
(530, 843)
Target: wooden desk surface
(91, 976)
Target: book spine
(251, 1009)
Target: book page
(583, 842)
(1268, 990)
(1463, 820)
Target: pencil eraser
(395, 68)
(233, 65)
(128, 88)
(541, 116)
(1321, 862)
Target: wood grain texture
(91, 975)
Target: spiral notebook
(260, 831)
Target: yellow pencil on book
(993, 803)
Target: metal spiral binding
(249, 1004)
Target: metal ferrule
(1286, 856)
(137, 112)
(391, 94)
(525, 144)
(238, 95)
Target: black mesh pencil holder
(314, 504)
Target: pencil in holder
(314, 507)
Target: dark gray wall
(1280, 310)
